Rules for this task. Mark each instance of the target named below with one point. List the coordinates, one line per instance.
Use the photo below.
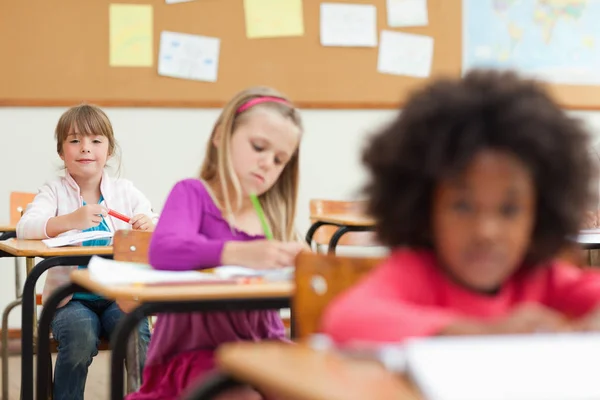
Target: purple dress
(190, 235)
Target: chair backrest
(324, 233)
(131, 246)
(319, 278)
(18, 203)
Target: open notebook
(515, 367)
(589, 236)
(111, 272)
(71, 239)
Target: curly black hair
(445, 124)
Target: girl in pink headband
(210, 221)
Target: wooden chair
(18, 203)
(327, 207)
(319, 278)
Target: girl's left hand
(142, 222)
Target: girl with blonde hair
(206, 222)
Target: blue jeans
(78, 327)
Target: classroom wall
(161, 146)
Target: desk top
(178, 292)
(345, 219)
(35, 248)
(299, 373)
(8, 228)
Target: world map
(553, 40)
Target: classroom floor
(96, 387)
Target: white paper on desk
(352, 25)
(405, 54)
(71, 239)
(402, 13)
(186, 56)
(519, 367)
(589, 236)
(111, 272)
(234, 271)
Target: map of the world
(554, 40)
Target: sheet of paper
(405, 54)
(509, 367)
(401, 13)
(177, 1)
(234, 271)
(110, 272)
(130, 35)
(71, 239)
(186, 56)
(273, 18)
(352, 25)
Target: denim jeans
(78, 327)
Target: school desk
(345, 223)
(297, 372)
(7, 231)
(153, 299)
(52, 257)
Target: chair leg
(50, 380)
(132, 364)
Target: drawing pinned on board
(186, 56)
(349, 25)
(402, 13)
(273, 18)
(405, 54)
(130, 35)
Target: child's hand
(261, 254)
(590, 322)
(530, 318)
(87, 216)
(142, 222)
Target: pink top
(410, 296)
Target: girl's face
(260, 149)
(483, 220)
(85, 155)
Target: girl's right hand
(88, 216)
(532, 318)
(261, 254)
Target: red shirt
(410, 296)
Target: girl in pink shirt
(476, 187)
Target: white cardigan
(62, 196)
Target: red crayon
(120, 216)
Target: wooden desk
(197, 292)
(297, 372)
(35, 248)
(8, 228)
(154, 299)
(345, 223)
(53, 257)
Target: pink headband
(259, 100)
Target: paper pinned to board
(349, 25)
(405, 13)
(186, 56)
(273, 18)
(405, 54)
(71, 239)
(130, 35)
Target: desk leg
(27, 327)
(311, 231)
(43, 348)
(5, 314)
